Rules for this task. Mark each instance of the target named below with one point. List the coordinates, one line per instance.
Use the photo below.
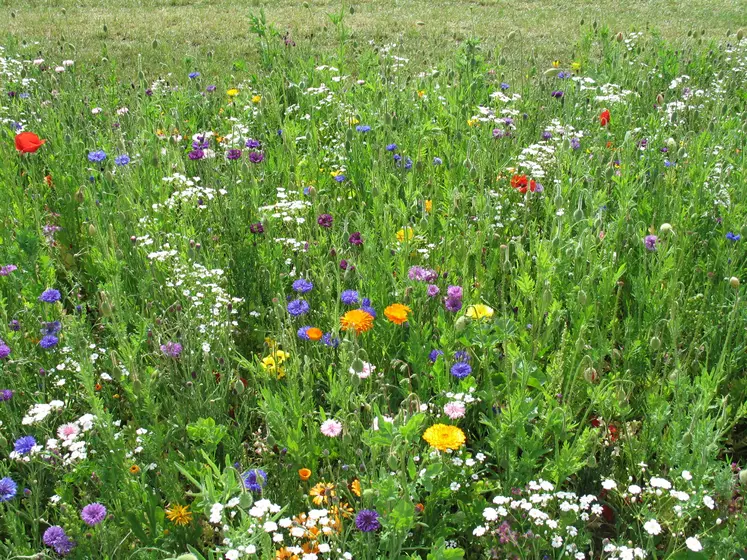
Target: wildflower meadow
(343, 304)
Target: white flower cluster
(188, 190)
(39, 412)
(287, 208)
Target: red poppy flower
(28, 142)
(604, 118)
(48, 180)
(520, 183)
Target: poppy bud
(740, 34)
(665, 228)
(671, 143)
(619, 37)
(79, 195)
(582, 298)
(461, 323)
(743, 477)
(511, 36)
(591, 375)
(654, 343)
(558, 201)
(734, 282)
(578, 215)
(91, 230)
(660, 99)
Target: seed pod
(511, 36)
(619, 37)
(91, 230)
(660, 99)
(79, 197)
(734, 282)
(558, 201)
(578, 215)
(654, 343)
(743, 477)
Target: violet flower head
(355, 238)
(48, 341)
(453, 304)
(56, 538)
(650, 242)
(325, 220)
(298, 307)
(233, 154)
(4, 350)
(196, 154)
(257, 228)
(171, 349)
(432, 290)
(256, 157)
(349, 297)
(6, 395)
(8, 489)
(93, 514)
(7, 269)
(253, 144)
(367, 521)
(50, 296)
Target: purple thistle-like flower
(460, 370)
(325, 220)
(298, 307)
(8, 489)
(367, 521)
(344, 264)
(302, 286)
(253, 144)
(211, 88)
(454, 292)
(24, 445)
(546, 135)
(122, 160)
(254, 480)
(355, 238)
(171, 349)
(558, 94)
(7, 269)
(233, 154)
(432, 290)
(196, 154)
(6, 395)
(498, 133)
(349, 297)
(575, 143)
(48, 341)
(257, 228)
(56, 538)
(434, 354)
(50, 296)
(462, 356)
(4, 350)
(93, 514)
(650, 242)
(453, 304)
(53, 327)
(14, 325)
(256, 157)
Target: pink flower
(455, 409)
(68, 431)
(331, 428)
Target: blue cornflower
(329, 340)
(24, 95)
(667, 163)
(434, 354)
(408, 163)
(563, 75)
(302, 332)
(363, 128)
(733, 236)
(302, 286)
(366, 306)
(339, 177)
(462, 356)
(97, 156)
(124, 159)
(24, 445)
(8, 489)
(254, 480)
(437, 161)
(193, 75)
(391, 147)
(48, 341)
(50, 296)
(575, 143)
(504, 86)
(298, 307)
(51, 328)
(460, 370)
(349, 297)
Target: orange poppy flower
(28, 142)
(304, 474)
(358, 320)
(314, 333)
(397, 313)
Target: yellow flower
(421, 93)
(357, 320)
(233, 92)
(444, 437)
(256, 99)
(555, 63)
(405, 234)
(273, 362)
(479, 311)
(353, 121)
(179, 515)
(355, 487)
(575, 66)
(473, 122)
(322, 492)
(397, 313)
(428, 206)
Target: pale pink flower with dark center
(455, 409)
(68, 432)
(331, 428)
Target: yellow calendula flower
(444, 437)
(405, 234)
(479, 311)
(233, 92)
(555, 63)
(256, 99)
(178, 514)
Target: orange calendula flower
(358, 320)
(178, 514)
(304, 474)
(355, 487)
(314, 333)
(134, 469)
(428, 206)
(322, 493)
(397, 313)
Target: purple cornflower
(575, 143)
(302, 333)
(4, 350)
(50, 296)
(122, 160)
(345, 265)
(298, 307)
(460, 370)
(53, 327)
(254, 480)
(7, 269)
(432, 290)
(650, 242)
(563, 75)
(171, 349)
(253, 144)
(325, 220)
(24, 445)
(329, 340)
(257, 228)
(256, 157)
(97, 156)
(504, 86)
(93, 514)
(193, 75)
(349, 297)
(48, 341)
(302, 286)
(454, 292)
(233, 154)
(363, 128)
(642, 143)
(498, 133)
(367, 521)
(14, 325)
(366, 306)
(462, 356)
(453, 304)
(437, 161)
(196, 154)
(211, 88)
(391, 147)
(733, 236)
(408, 163)
(6, 395)
(340, 177)
(434, 354)
(355, 238)
(8, 488)
(546, 135)
(557, 94)
(667, 163)
(422, 274)
(56, 538)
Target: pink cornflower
(455, 409)
(331, 428)
(68, 431)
